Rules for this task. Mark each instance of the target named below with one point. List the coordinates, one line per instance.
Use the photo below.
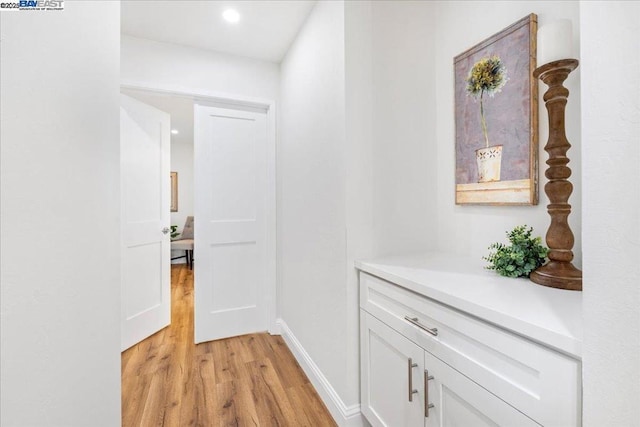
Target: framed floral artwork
(496, 118)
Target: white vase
(489, 161)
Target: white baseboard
(345, 416)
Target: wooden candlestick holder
(559, 272)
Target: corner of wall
(345, 416)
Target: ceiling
(265, 31)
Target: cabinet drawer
(542, 383)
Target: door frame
(224, 100)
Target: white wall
(150, 63)
(414, 44)
(468, 230)
(311, 196)
(359, 171)
(182, 162)
(611, 230)
(404, 126)
(60, 350)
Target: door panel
(230, 235)
(245, 292)
(145, 273)
(144, 155)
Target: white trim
(225, 100)
(271, 218)
(345, 416)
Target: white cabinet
(403, 385)
(417, 351)
(392, 368)
(458, 401)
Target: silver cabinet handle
(165, 230)
(410, 366)
(427, 405)
(414, 321)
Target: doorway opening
(184, 162)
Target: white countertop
(547, 315)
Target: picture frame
(174, 191)
(496, 118)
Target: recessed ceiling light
(174, 131)
(231, 15)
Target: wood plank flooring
(252, 380)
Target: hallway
(248, 380)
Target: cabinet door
(459, 402)
(391, 369)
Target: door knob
(166, 230)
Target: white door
(230, 206)
(145, 198)
(391, 382)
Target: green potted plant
(487, 76)
(174, 232)
(521, 257)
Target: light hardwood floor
(252, 380)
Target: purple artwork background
(507, 113)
